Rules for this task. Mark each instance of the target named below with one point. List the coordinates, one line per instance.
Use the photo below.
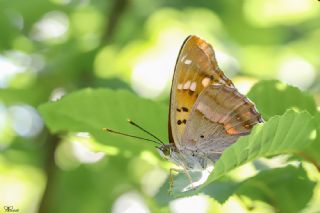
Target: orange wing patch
(196, 68)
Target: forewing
(196, 68)
(220, 115)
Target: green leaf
(274, 98)
(312, 153)
(279, 187)
(289, 133)
(220, 190)
(89, 110)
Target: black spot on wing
(185, 109)
(190, 92)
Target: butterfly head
(165, 150)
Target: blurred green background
(51, 48)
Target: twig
(117, 9)
(50, 170)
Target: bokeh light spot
(76, 149)
(152, 180)
(57, 94)
(11, 64)
(297, 72)
(128, 203)
(84, 154)
(197, 204)
(154, 69)
(276, 12)
(25, 120)
(52, 27)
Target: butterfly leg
(171, 179)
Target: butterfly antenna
(149, 133)
(131, 136)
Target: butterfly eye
(166, 151)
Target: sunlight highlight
(197, 179)
(227, 63)
(273, 12)
(192, 204)
(149, 79)
(25, 120)
(9, 68)
(18, 69)
(53, 26)
(130, 202)
(77, 149)
(153, 180)
(13, 191)
(153, 71)
(244, 84)
(57, 94)
(297, 72)
(19, 185)
(81, 151)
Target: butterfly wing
(220, 115)
(196, 68)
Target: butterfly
(207, 113)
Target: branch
(117, 10)
(50, 170)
